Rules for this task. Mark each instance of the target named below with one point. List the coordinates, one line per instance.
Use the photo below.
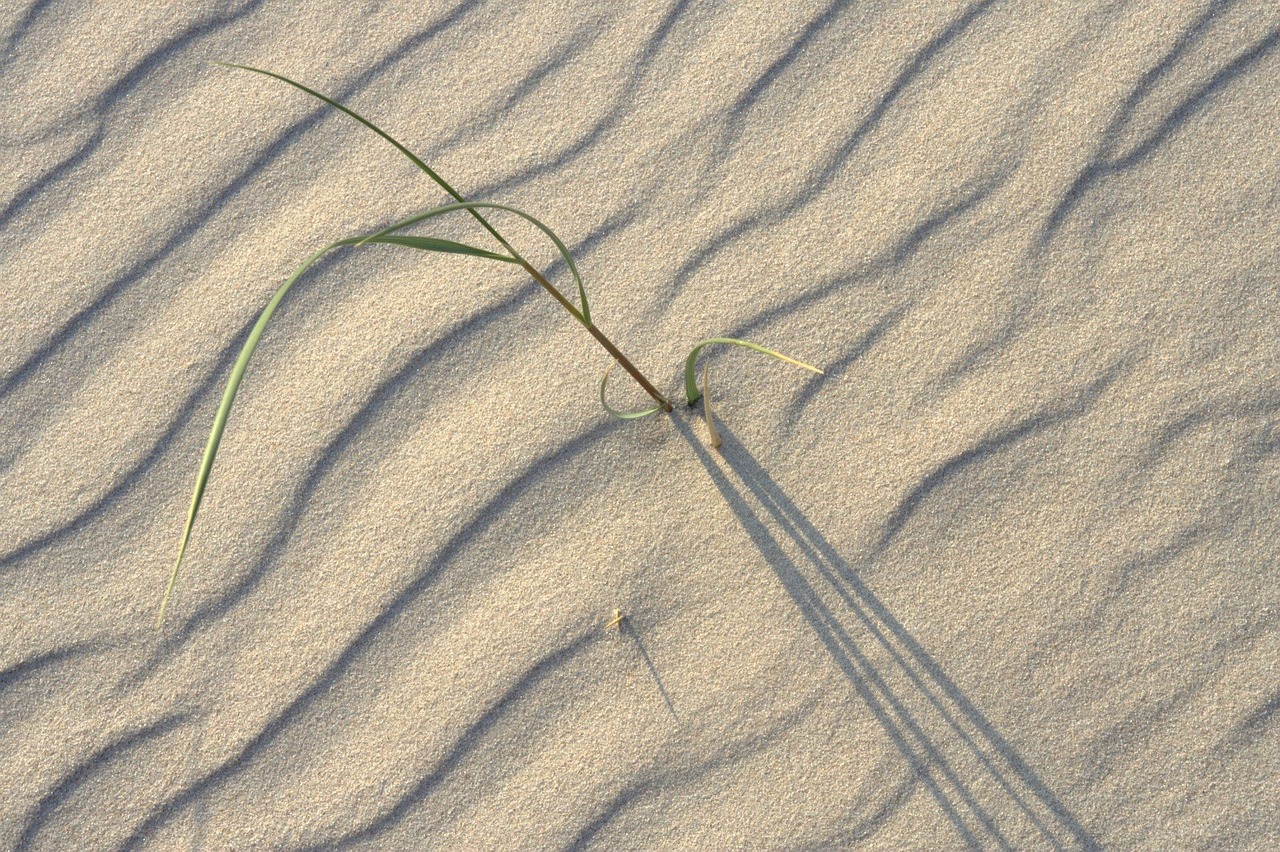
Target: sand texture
(1005, 577)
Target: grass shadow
(984, 788)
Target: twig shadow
(984, 788)
(628, 629)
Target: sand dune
(1005, 577)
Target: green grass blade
(413, 158)
(583, 316)
(631, 415)
(224, 409)
(436, 244)
(585, 313)
(690, 377)
(430, 173)
(242, 363)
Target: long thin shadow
(531, 477)
(629, 629)
(82, 773)
(983, 786)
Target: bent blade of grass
(441, 182)
(242, 363)
(621, 415)
(583, 316)
(413, 158)
(436, 244)
(224, 409)
(690, 377)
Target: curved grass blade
(632, 415)
(441, 182)
(224, 409)
(242, 363)
(413, 158)
(706, 405)
(436, 244)
(690, 378)
(583, 316)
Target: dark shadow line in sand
(487, 514)
(969, 198)
(812, 28)
(294, 512)
(44, 810)
(733, 117)
(992, 445)
(1107, 161)
(470, 739)
(683, 776)
(857, 668)
(80, 320)
(919, 63)
(29, 666)
(573, 46)
(834, 369)
(620, 107)
(825, 173)
(103, 104)
(20, 30)
(1262, 716)
(973, 732)
(134, 475)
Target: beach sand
(1004, 577)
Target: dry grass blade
(692, 394)
(706, 405)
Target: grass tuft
(392, 235)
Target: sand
(1004, 577)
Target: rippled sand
(1005, 577)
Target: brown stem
(628, 366)
(598, 335)
(546, 285)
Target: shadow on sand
(987, 792)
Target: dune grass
(392, 235)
